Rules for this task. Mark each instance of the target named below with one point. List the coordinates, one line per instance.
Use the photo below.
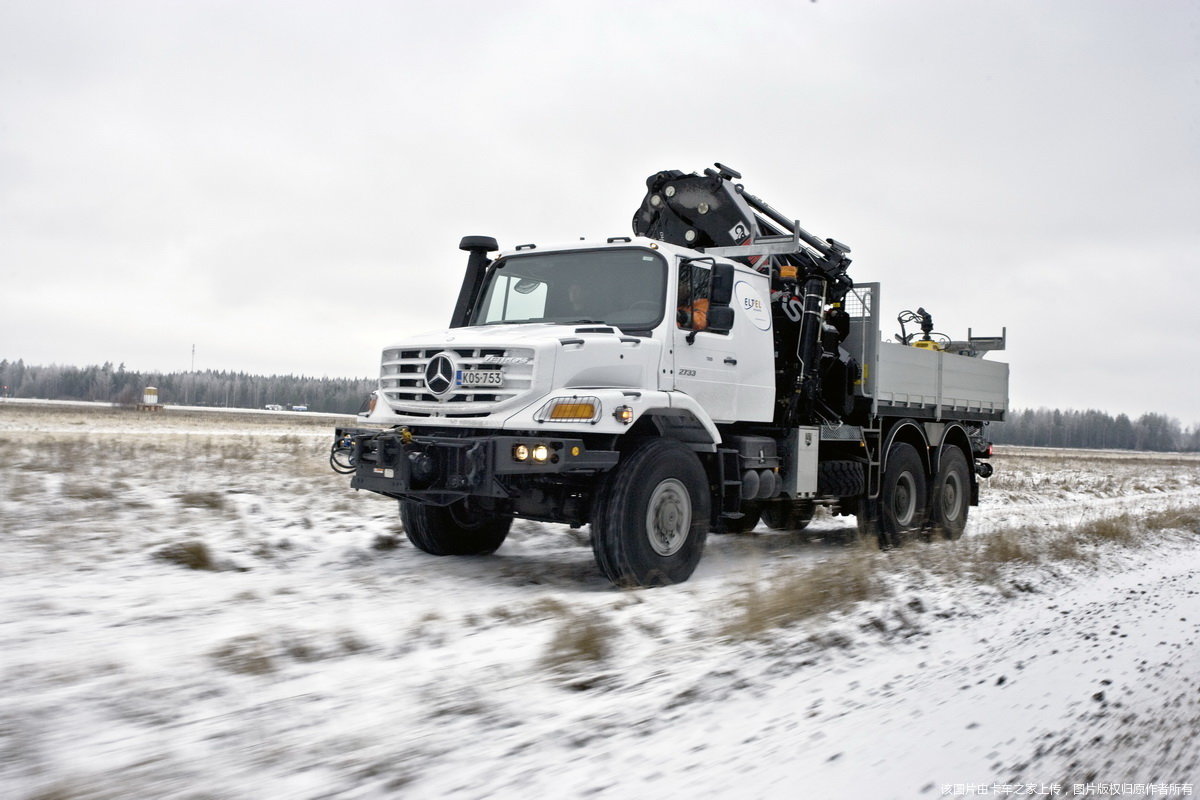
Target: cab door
(705, 362)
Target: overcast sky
(284, 184)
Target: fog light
(540, 452)
(623, 414)
(520, 453)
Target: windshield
(621, 287)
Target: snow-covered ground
(317, 654)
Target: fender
(908, 430)
(956, 435)
(686, 420)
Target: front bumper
(441, 469)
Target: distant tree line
(1094, 429)
(1039, 428)
(107, 384)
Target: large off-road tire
(748, 522)
(788, 515)
(651, 517)
(900, 511)
(454, 530)
(951, 494)
(866, 512)
(841, 478)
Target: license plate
(480, 377)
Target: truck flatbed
(928, 384)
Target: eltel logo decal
(752, 305)
(439, 374)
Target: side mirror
(721, 289)
(720, 319)
(720, 313)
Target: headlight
(541, 453)
(570, 409)
(520, 453)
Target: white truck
(717, 369)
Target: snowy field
(192, 605)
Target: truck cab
(560, 338)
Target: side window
(692, 305)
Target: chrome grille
(402, 379)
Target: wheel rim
(465, 515)
(668, 517)
(951, 498)
(904, 499)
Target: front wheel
(651, 517)
(459, 529)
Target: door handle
(731, 360)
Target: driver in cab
(692, 310)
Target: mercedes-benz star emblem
(439, 374)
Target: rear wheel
(788, 515)
(652, 515)
(951, 494)
(900, 510)
(459, 529)
(748, 522)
